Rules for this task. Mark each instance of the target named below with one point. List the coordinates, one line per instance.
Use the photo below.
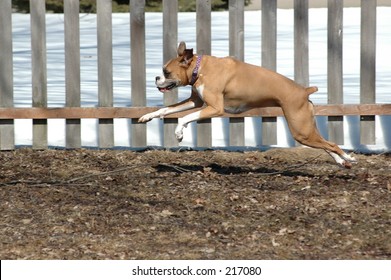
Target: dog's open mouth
(167, 88)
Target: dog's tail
(311, 90)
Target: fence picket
(301, 65)
(301, 70)
(39, 73)
(138, 69)
(368, 68)
(269, 60)
(170, 43)
(72, 70)
(105, 70)
(236, 49)
(334, 67)
(7, 141)
(204, 39)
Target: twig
(177, 168)
(99, 174)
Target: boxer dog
(227, 85)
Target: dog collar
(195, 70)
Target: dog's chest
(200, 91)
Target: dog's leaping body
(227, 85)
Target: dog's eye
(166, 73)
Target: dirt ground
(158, 204)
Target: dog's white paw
(146, 118)
(179, 136)
(349, 158)
(159, 113)
(179, 133)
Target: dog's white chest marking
(200, 91)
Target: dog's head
(176, 72)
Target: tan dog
(226, 84)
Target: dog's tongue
(162, 89)
(167, 88)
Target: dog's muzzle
(165, 85)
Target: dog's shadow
(229, 170)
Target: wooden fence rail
(135, 112)
(105, 113)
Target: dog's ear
(181, 48)
(187, 56)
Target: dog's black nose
(157, 78)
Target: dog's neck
(194, 75)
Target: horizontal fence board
(136, 112)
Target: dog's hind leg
(301, 122)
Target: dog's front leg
(190, 103)
(183, 122)
(167, 110)
(205, 113)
